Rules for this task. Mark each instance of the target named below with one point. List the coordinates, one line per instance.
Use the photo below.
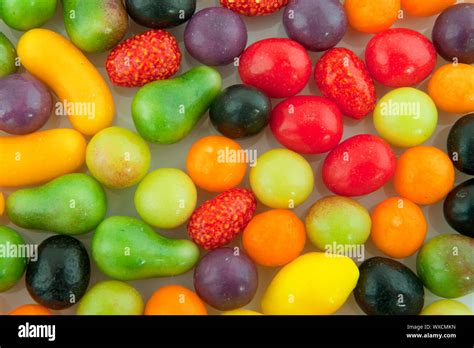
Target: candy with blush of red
(359, 165)
(400, 57)
(278, 67)
(307, 124)
(342, 77)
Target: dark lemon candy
(71, 204)
(164, 112)
(60, 276)
(7, 57)
(126, 248)
(95, 25)
(387, 287)
(13, 259)
(446, 265)
(459, 208)
(160, 14)
(461, 144)
(27, 14)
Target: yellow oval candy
(446, 307)
(241, 312)
(313, 284)
(452, 88)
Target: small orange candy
(398, 227)
(424, 175)
(216, 163)
(2, 204)
(174, 300)
(425, 8)
(274, 238)
(31, 309)
(372, 16)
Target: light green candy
(405, 117)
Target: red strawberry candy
(150, 56)
(219, 220)
(254, 7)
(342, 77)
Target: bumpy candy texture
(342, 77)
(253, 8)
(152, 55)
(219, 220)
(453, 33)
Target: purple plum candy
(25, 104)
(453, 33)
(226, 280)
(215, 36)
(316, 24)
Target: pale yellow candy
(314, 283)
(241, 312)
(446, 307)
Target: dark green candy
(161, 14)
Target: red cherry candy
(400, 57)
(359, 165)
(307, 124)
(279, 67)
(342, 77)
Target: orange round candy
(31, 309)
(372, 16)
(2, 204)
(274, 238)
(216, 163)
(174, 300)
(425, 8)
(398, 227)
(424, 175)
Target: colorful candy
(31, 309)
(166, 198)
(226, 279)
(452, 88)
(398, 227)
(25, 104)
(280, 68)
(359, 165)
(240, 111)
(453, 33)
(400, 57)
(282, 179)
(117, 157)
(424, 175)
(160, 14)
(336, 220)
(216, 163)
(216, 222)
(215, 36)
(254, 7)
(307, 124)
(342, 77)
(446, 307)
(459, 208)
(317, 24)
(461, 144)
(419, 8)
(405, 117)
(274, 238)
(174, 300)
(7, 56)
(152, 55)
(12, 267)
(372, 16)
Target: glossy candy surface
(7, 56)
(25, 104)
(359, 165)
(160, 14)
(400, 57)
(307, 124)
(215, 36)
(317, 24)
(405, 117)
(372, 16)
(278, 67)
(461, 144)
(419, 8)
(342, 77)
(226, 279)
(459, 208)
(453, 33)
(240, 111)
